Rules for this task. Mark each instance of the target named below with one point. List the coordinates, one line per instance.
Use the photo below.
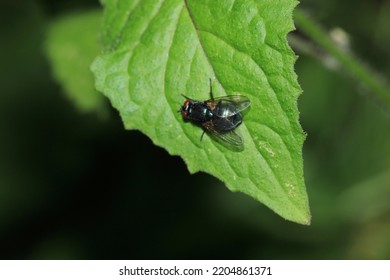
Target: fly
(219, 116)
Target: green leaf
(156, 50)
(71, 47)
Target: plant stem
(358, 70)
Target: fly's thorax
(196, 111)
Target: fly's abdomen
(227, 124)
(224, 110)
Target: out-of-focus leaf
(71, 47)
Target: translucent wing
(230, 137)
(227, 106)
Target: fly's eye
(186, 103)
(185, 109)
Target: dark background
(76, 186)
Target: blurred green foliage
(73, 185)
(72, 44)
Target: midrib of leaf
(212, 152)
(200, 41)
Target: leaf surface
(156, 50)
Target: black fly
(218, 116)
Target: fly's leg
(211, 89)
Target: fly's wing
(235, 103)
(230, 136)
